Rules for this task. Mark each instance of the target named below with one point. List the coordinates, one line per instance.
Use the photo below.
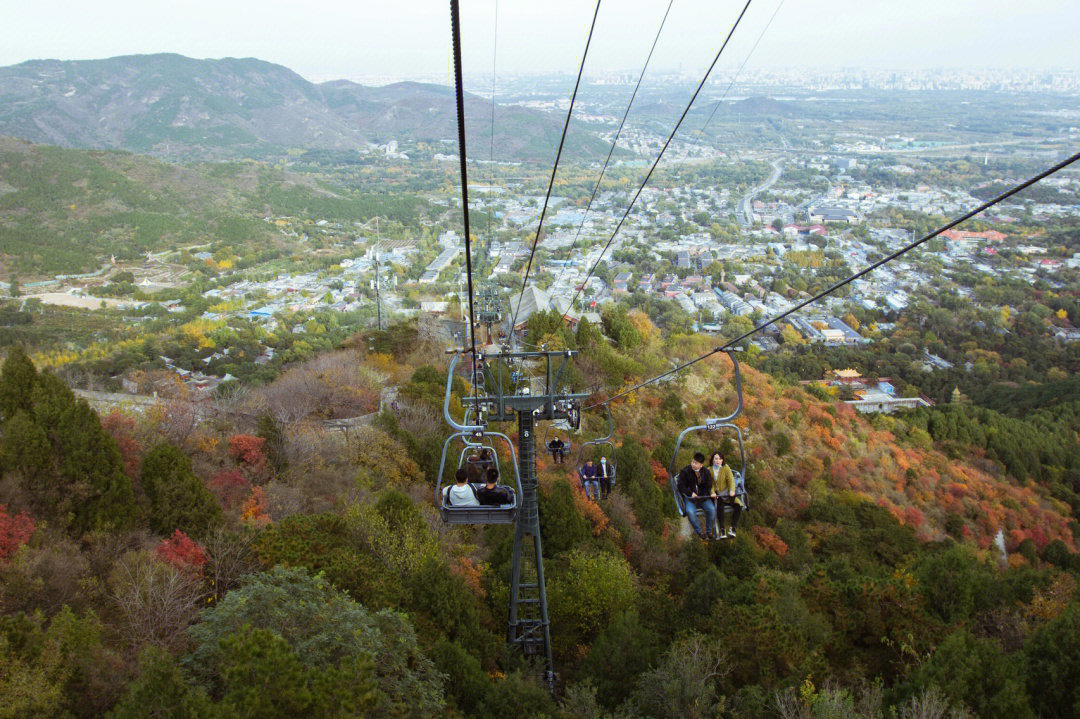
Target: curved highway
(744, 211)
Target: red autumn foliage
(182, 552)
(230, 487)
(473, 576)
(913, 517)
(659, 471)
(807, 469)
(957, 490)
(15, 530)
(768, 539)
(247, 449)
(122, 429)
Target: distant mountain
(762, 107)
(176, 106)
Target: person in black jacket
(694, 483)
(491, 494)
(557, 448)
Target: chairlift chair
(473, 436)
(604, 441)
(477, 448)
(718, 424)
(503, 514)
(548, 438)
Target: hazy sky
(410, 38)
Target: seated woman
(605, 473)
(491, 494)
(461, 494)
(557, 449)
(474, 470)
(726, 494)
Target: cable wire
(614, 142)
(966, 216)
(739, 71)
(455, 30)
(491, 148)
(554, 169)
(662, 151)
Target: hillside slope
(802, 450)
(67, 211)
(835, 599)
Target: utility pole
(378, 271)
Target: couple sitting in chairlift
(710, 489)
(597, 477)
(464, 494)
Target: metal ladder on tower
(529, 628)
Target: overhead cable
(663, 149)
(555, 167)
(615, 141)
(739, 71)
(491, 147)
(455, 30)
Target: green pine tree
(17, 380)
(178, 499)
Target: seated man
(491, 494)
(588, 479)
(461, 493)
(606, 474)
(695, 487)
(555, 446)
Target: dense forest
(253, 561)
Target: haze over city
(401, 40)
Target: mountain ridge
(176, 106)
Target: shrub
(307, 618)
(181, 552)
(977, 673)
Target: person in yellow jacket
(726, 494)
